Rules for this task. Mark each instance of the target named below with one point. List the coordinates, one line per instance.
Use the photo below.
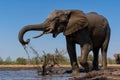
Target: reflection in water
(29, 75)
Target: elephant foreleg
(72, 54)
(85, 49)
(95, 59)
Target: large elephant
(117, 58)
(91, 31)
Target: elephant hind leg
(104, 58)
(105, 47)
(104, 52)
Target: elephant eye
(57, 19)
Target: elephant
(89, 30)
(117, 58)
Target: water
(29, 75)
(29, 49)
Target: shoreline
(39, 66)
(12, 67)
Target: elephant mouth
(55, 35)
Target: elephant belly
(81, 37)
(98, 34)
(98, 40)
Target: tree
(21, 60)
(1, 60)
(60, 56)
(35, 60)
(8, 60)
(110, 61)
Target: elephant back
(94, 19)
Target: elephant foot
(96, 68)
(79, 71)
(88, 67)
(82, 70)
(68, 71)
(103, 68)
(75, 73)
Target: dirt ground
(111, 73)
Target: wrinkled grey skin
(91, 31)
(117, 58)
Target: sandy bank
(36, 66)
(26, 66)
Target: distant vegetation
(58, 56)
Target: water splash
(29, 49)
(27, 52)
(49, 61)
(35, 52)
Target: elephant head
(66, 21)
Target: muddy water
(112, 73)
(29, 75)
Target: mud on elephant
(90, 30)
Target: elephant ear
(77, 21)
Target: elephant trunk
(38, 27)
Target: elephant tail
(107, 37)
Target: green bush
(21, 61)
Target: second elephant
(90, 30)
(117, 58)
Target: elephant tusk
(43, 33)
(39, 35)
(46, 32)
